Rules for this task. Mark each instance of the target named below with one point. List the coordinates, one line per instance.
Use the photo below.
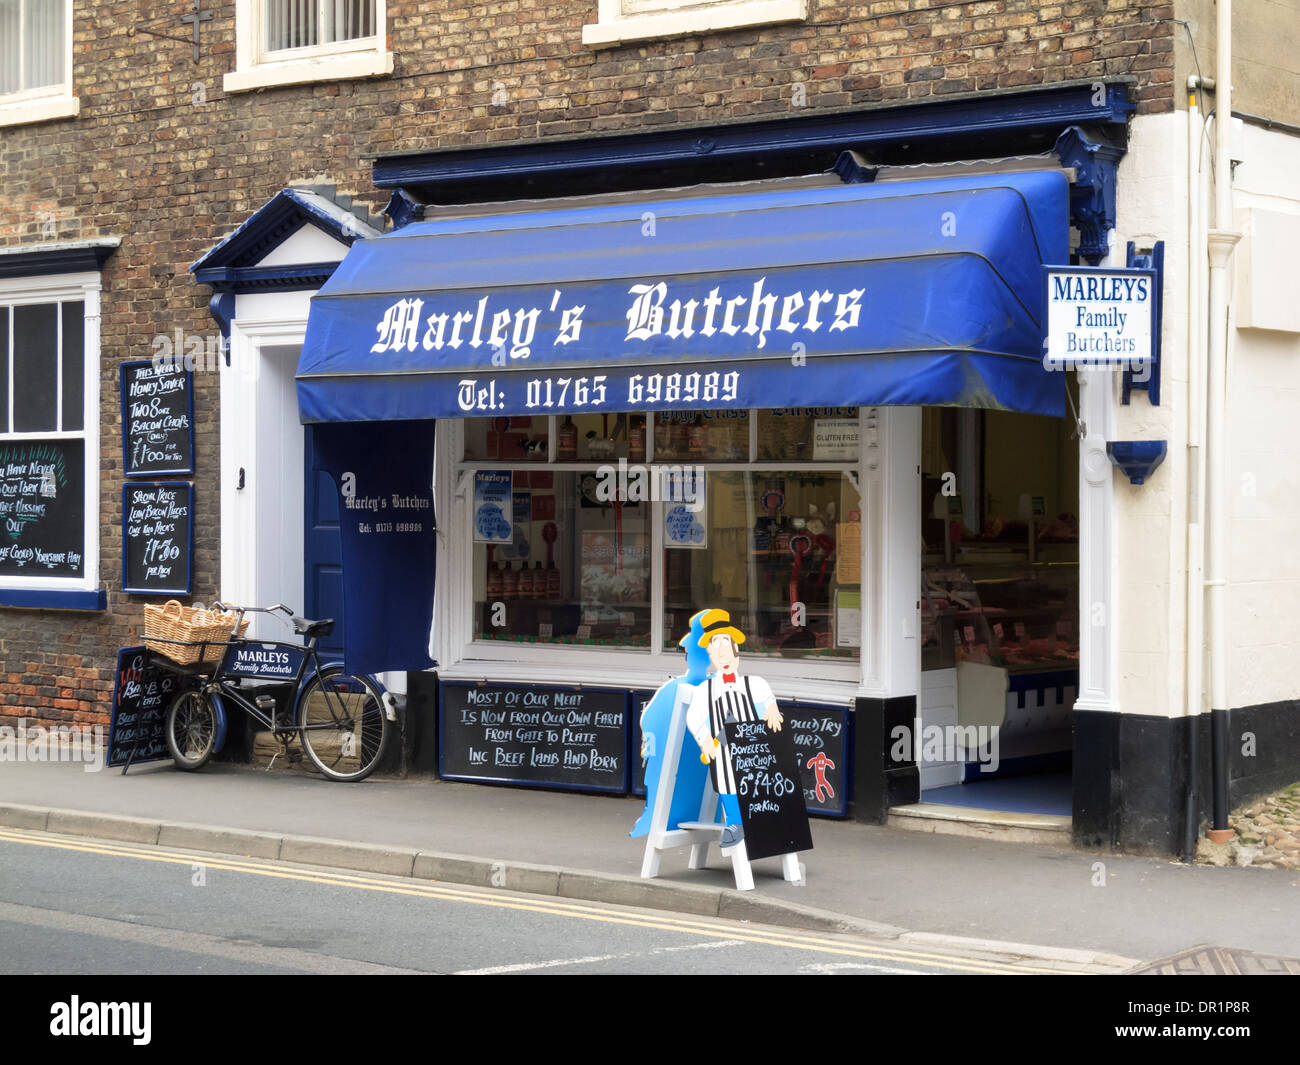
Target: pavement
(1112, 912)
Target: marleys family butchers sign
(1098, 318)
(621, 323)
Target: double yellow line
(531, 903)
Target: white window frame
(257, 68)
(462, 657)
(51, 288)
(48, 101)
(619, 21)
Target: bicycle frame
(309, 666)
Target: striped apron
(731, 703)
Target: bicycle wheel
(191, 730)
(343, 726)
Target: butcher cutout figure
(727, 696)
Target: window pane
(4, 369)
(702, 436)
(769, 556)
(808, 434)
(577, 570)
(601, 438)
(43, 31)
(35, 369)
(517, 439)
(302, 23)
(74, 365)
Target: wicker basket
(183, 633)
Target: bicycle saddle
(309, 628)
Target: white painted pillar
(1098, 548)
(891, 562)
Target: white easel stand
(695, 834)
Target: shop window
(640, 520)
(35, 61)
(49, 455)
(281, 42)
(632, 20)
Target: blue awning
(924, 291)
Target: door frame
(245, 411)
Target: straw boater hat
(714, 622)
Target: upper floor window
(637, 20)
(35, 61)
(281, 42)
(308, 23)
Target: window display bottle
(509, 583)
(525, 581)
(539, 581)
(552, 582)
(567, 443)
(494, 580)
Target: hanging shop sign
(157, 537)
(142, 694)
(575, 738)
(42, 508)
(384, 474)
(157, 419)
(1098, 318)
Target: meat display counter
(1010, 633)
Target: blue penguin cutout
(688, 789)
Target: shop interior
(999, 609)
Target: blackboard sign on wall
(42, 508)
(141, 698)
(769, 790)
(157, 537)
(821, 747)
(574, 738)
(157, 419)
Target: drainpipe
(1195, 590)
(1222, 240)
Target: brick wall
(161, 157)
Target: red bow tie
(728, 678)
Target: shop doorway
(322, 550)
(999, 610)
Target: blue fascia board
(40, 599)
(257, 278)
(1041, 109)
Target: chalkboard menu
(768, 789)
(157, 419)
(42, 508)
(141, 698)
(821, 746)
(157, 537)
(574, 738)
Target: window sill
(40, 110)
(39, 599)
(682, 23)
(329, 68)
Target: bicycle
(344, 721)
